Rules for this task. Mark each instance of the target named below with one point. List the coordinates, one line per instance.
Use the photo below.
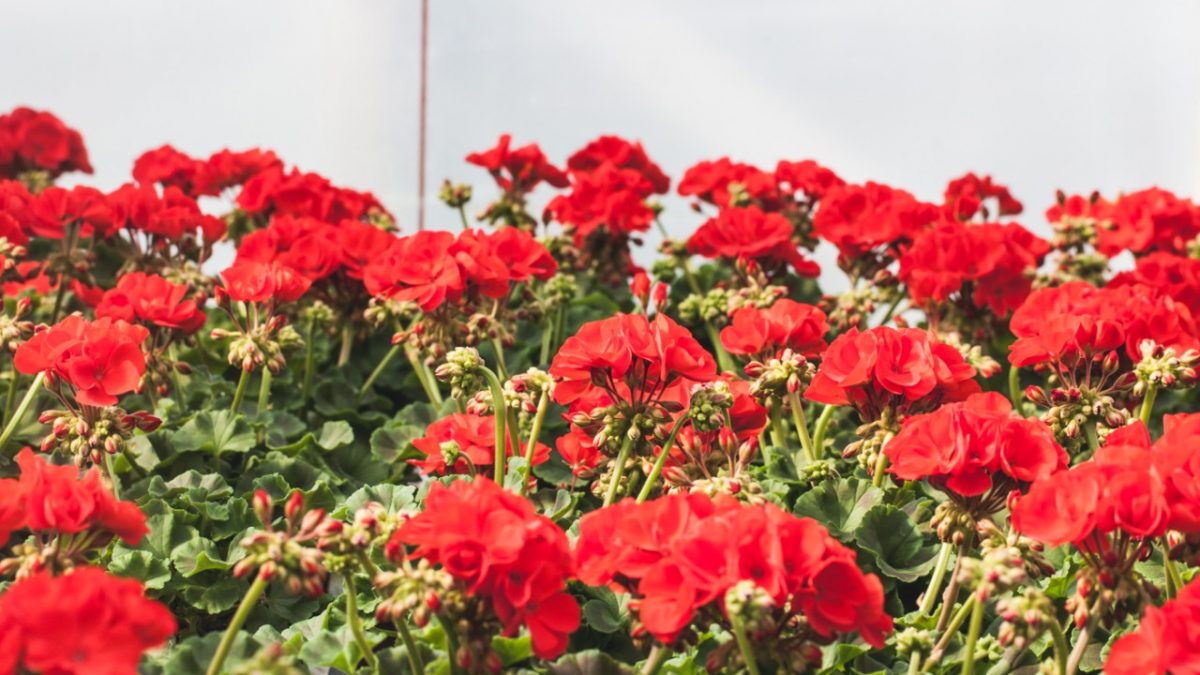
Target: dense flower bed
(507, 447)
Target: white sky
(1078, 95)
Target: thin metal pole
(424, 102)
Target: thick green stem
(656, 470)
(618, 471)
(383, 363)
(951, 629)
(535, 431)
(806, 444)
(914, 662)
(1082, 640)
(347, 344)
(501, 367)
(950, 597)
(310, 360)
(240, 392)
(15, 419)
(658, 656)
(235, 624)
(10, 399)
(1174, 578)
(1061, 648)
(881, 462)
(547, 336)
(929, 601)
(500, 410)
(822, 427)
(451, 645)
(416, 664)
(1148, 403)
(462, 215)
(356, 626)
(724, 360)
(1093, 436)
(744, 644)
(778, 429)
(264, 391)
(973, 631)
(423, 377)
(1014, 390)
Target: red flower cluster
(787, 324)
(1175, 276)
(152, 301)
(861, 218)
(264, 282)
(680, 554)
(86, 623)
(55, 500)
(965, 197)
(606, 198)
(621, 154)
(628, 357)
(519, 170)
(1076, 322)
(1149, 220)
(474, 442)
(725, 183)
(170, 216)
(32, 140)
(886, 366)
(805, 177)
(100, 359)
(202, 177)
(1165, 641)
(971, 447)
(748, 234)
(429, 268)
(307, 195)
(496, 544)
(991, 263)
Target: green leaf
(899, 549)
(601, 616)
(838, 656)
(335, 434)
(195, 653)
(589, 662)
(216, 432)
(216, 597)
(513, 650)
(839, 505)
(393, 498)
(196, 556)
(153, 572)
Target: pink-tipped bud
(295, 504)
(263, 507)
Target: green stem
(451, 645)
(1148, 402)
(264, 391)
(1061, 648)
(618, 471)
(355, 622)
(501, 367)
(806, 444)
(724, 360)
(433, 383)
(235, 624)
(778, 430)
(15, 420)
(347, 344)
(462, 214)
(973, 631)
(58, 300)
(891, 310)
(422, 377)
(656, 470)
(929, 601)
(1082, 640)
(1093, 436)
(547, 336)
(1014, 390)
(416, 664)
(658, 656)
(951, 629)
(11, 399)
(500, 414)
(744, 644)
(240, 392)
(383, 363)
(1174, 578)
(881, 462)
(534, 432)
(821, 427)
(310, 360)
(914, 662)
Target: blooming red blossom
(492, 261)
(100, 359)
(992, 263)
(1165, 641)
(518, 170)
(622, 154)
(32, 140)
(726, 183)
(152, 300)
(306, 245)
(679, 553)
(965, 196)
(418, 268)
(272, 191)
(787, 324)
(886, 366)
(172, 215)
(171, 168)
(54, 209)
(747, 234)
(607, 198)
(474, 443)
(1150, 219)
(631, 356)
(359, 243)
(1173, 275)
(859, 218)
(86, 622)
(807, 177)
(968, 448)
(252, 281)
(496, 544)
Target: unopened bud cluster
(455, 195)
(777, 378)
(261, 346)
(290, 555)
(15, 330)
(1162, 367)
(710, 403)
(1025, 617)
(87, 435)
(463, 370)
(972, 354)
(1074, 410)
(752, 606)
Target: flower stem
(264, 391)
(534, 432)
(950, 597)
(1148, 402)
(951, 629)
(451, 645)
(806, 444)
(310, 360)
(618, 470)
(235, 624)
(821, 427)
(10, 399)
(656, 470)
(383, 363)
(973, 631)
(929, 601)
(1082, 640)
(500, 414)
(462, 214)
(423, 377)
(1093, 436)
(23, 407)
(1061, 649)
(881, 462)
(744, 644)
(1174, 578)
(415, 663)
(501, 367)
(914, 662)
(240, 392)
(1014, 390)
(355, 622)
(347, 344)
(658, 656)
(778, 429)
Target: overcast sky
(1078, 95)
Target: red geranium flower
(418, 268)
(474, 441)
(1151, 219)
(251, 281)
(860, 218)
(101, 359)
(807, 177)
(622, 154)
(749, 234)
(518, 170)
(965, 197)
(152, 300)
(719, 181)
(787, 324)
(1165, 641)
(32, 140)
